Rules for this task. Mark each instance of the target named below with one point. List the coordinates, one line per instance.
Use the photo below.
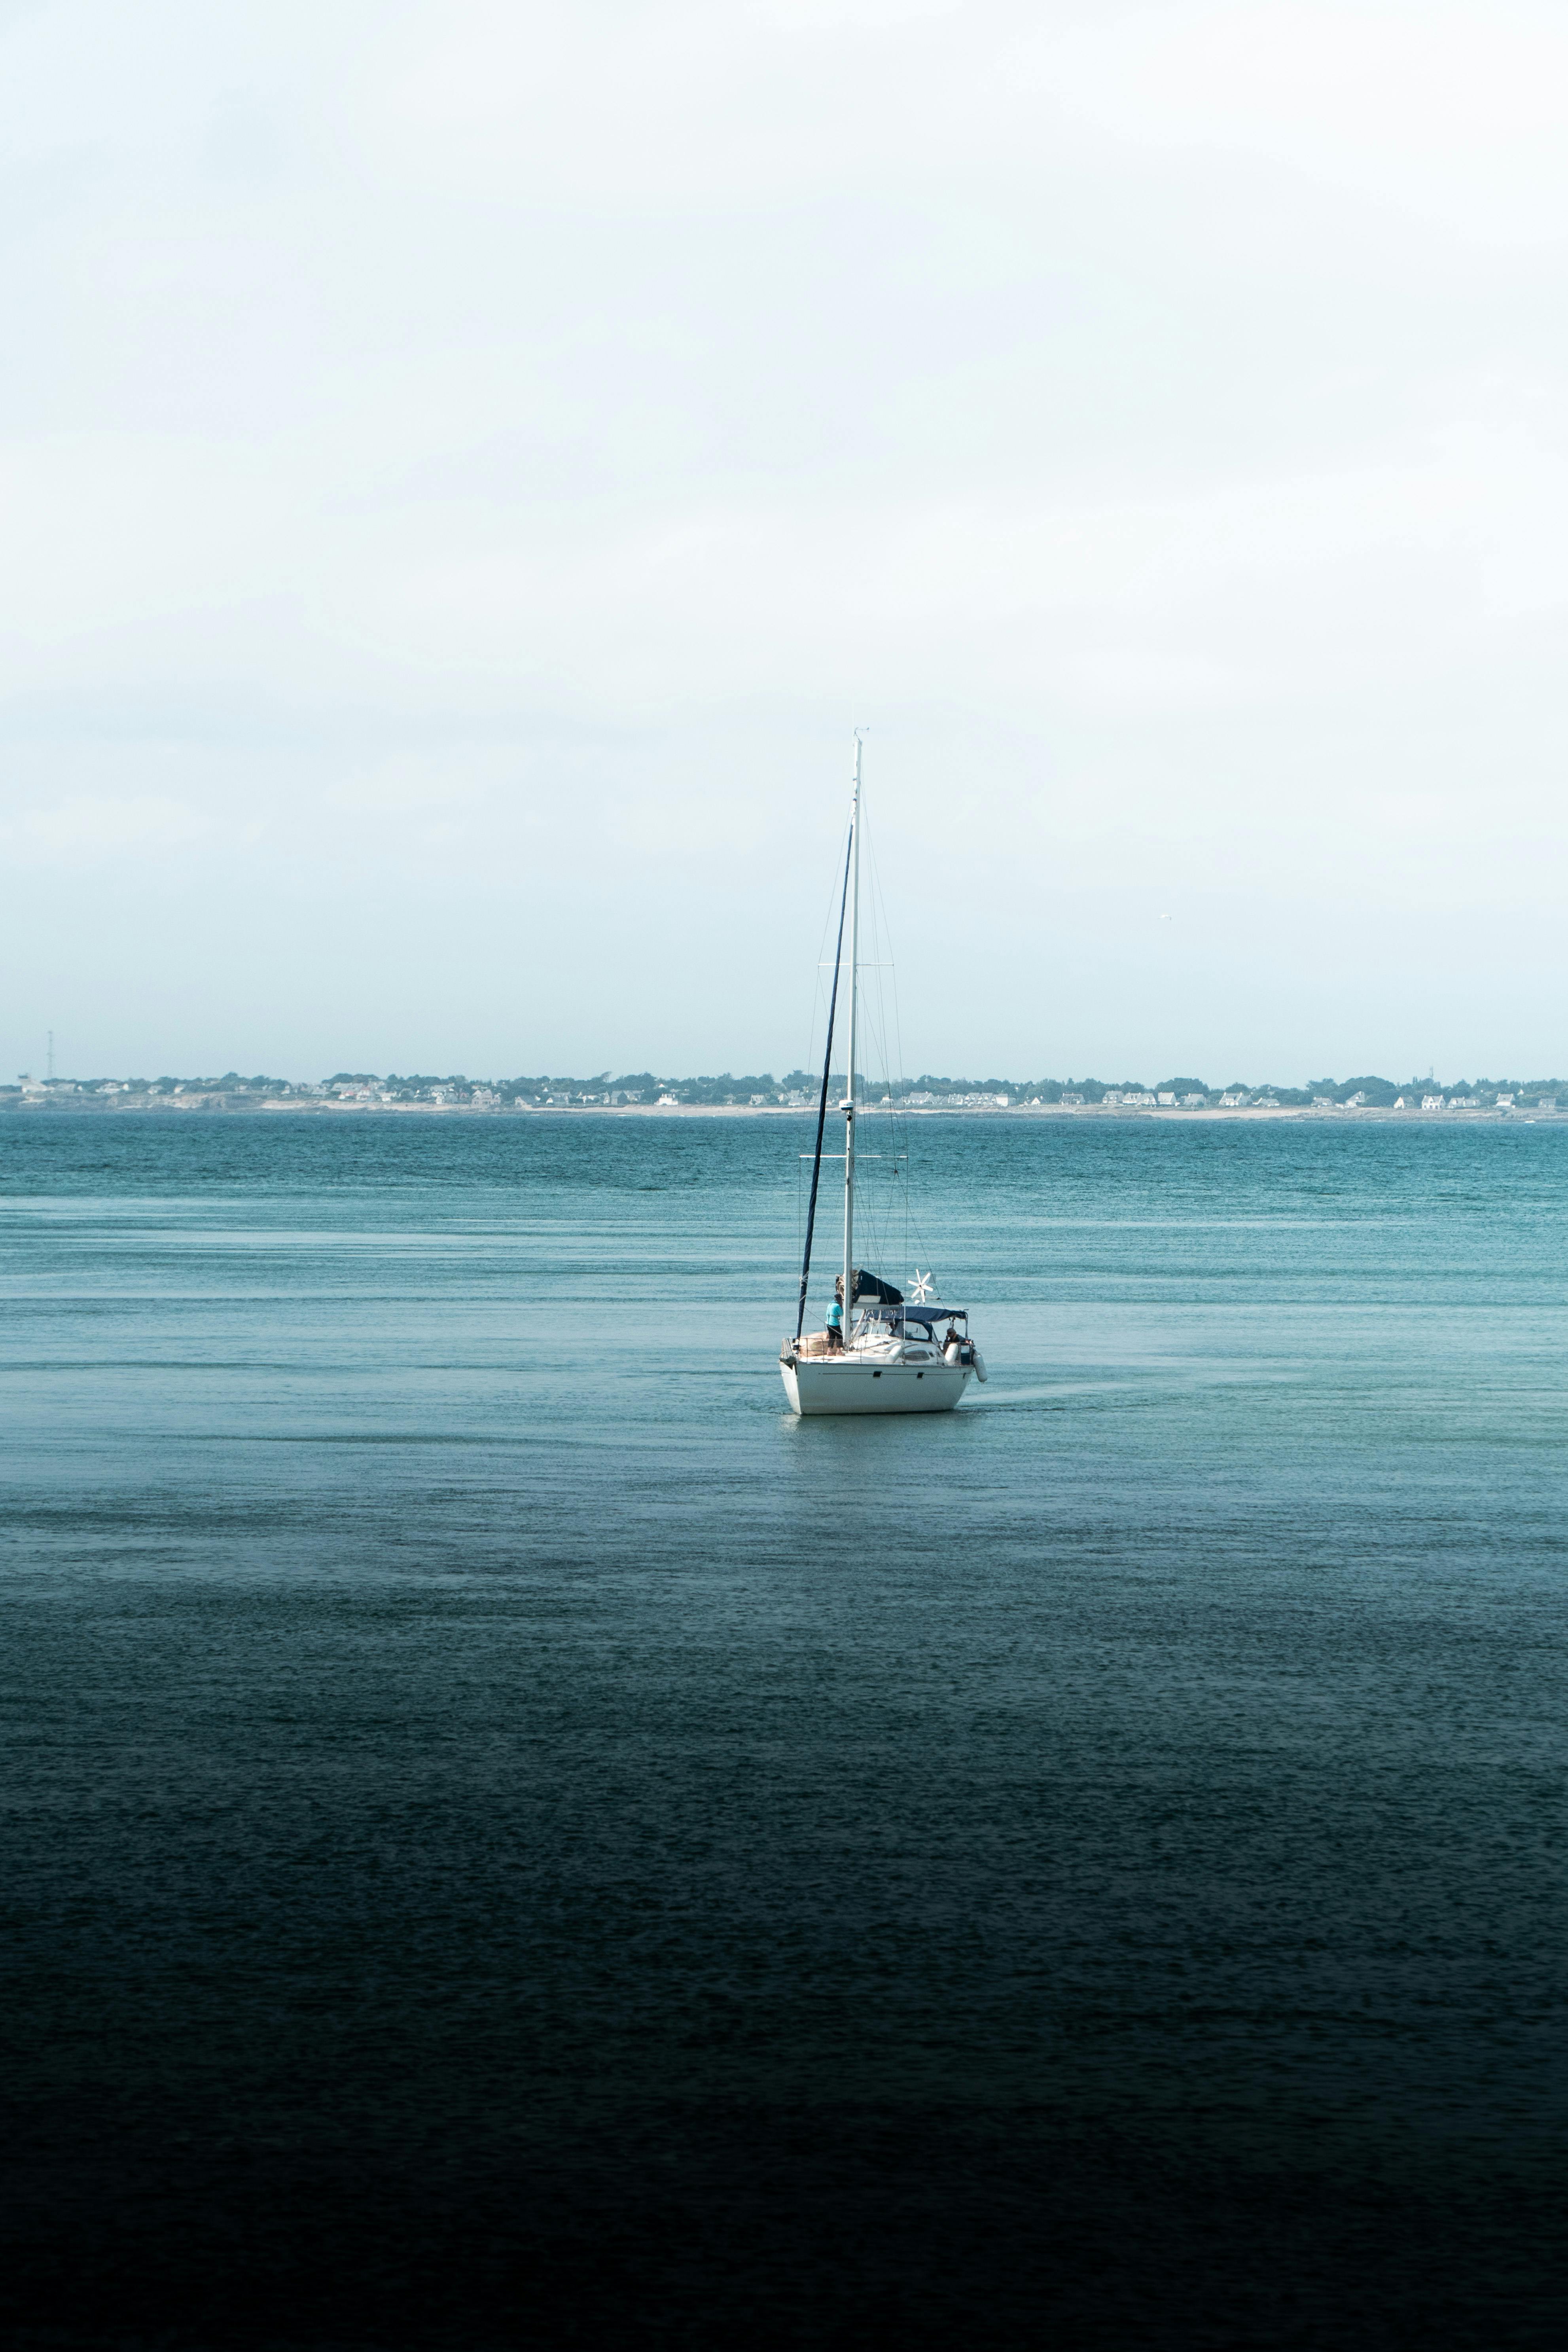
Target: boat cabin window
(903, 1323)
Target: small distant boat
(880, 1352)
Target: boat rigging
(879, 1352)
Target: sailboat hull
(834, 1385)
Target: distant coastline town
(641, 1093)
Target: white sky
(465, 469)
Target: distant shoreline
(233, 1106)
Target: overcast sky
(466, 468)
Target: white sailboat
(880, 1352)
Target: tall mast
(822, 1098)
(854, 1025)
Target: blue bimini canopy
(908, 1312)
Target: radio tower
(51, 1059)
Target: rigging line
(901, 1122)
(882, 931)
(822, 1109)
(892, 967)
(816, 993)
(797, 1204)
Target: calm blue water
(511, 1838)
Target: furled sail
(869, 1285)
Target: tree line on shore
(800, 1088)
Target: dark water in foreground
(509, 1839)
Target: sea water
(510, 1837)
